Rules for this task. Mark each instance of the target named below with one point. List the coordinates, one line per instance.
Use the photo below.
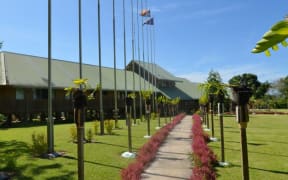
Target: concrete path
(173, 158)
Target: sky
(189, 38)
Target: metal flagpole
(154, 69)
(139, 67)
(115, 84)
(50, 130)
(100, 73)
(148, 57)
(133, 59)
(143, 47)
(80, 113)
(125, 77)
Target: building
(24, 81)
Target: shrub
(39, 144)
(203, 156)
(109, 124)
(73, 133)
(96, 127)
(2, 118)
(153, 116)
(89, 135)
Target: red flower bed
(148, 151)
(203, 156)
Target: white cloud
(195, 76)
(227, 72)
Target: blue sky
(191, 37)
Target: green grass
(267, 147)
(102, 159)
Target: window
(40, 93)
(19, 94)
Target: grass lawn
(102, 159)
(267, 137)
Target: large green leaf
(277, 34)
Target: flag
(149, 21)
(145, 13)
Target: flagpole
(148, 57)
(125, 77)
(100, 73)
(50, 130)
(152, 68)
(154, 60)
(139, 67)
(115, 84)
(143, 45)
(133, 59)
(80, 129)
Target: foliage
(153, 115)
(89, 135)
(162, 99)
(1, 44)
(2, 117)
(73, 133)
(148, 151)
(146, 94)
(109, 124)
(283, 87)
(132, 95)
(84, 85)
(203, 100)
(96, 127)
(258, 89)
(213, 85)
(203, 156)
(275, 35)
(39, 144)
(175, 101)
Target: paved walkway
(173, 158)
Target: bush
(109, 124)
(96, 127)
(2, 118)
(39, 144)
(203, 156)
(73, 133)
(89, 135)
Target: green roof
(32, 71)
(156, 71)
(185, 90)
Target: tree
(283, 87)
(258, 89)
(1, 44)
(214, 79)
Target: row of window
(39, 94)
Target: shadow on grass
(252, 144)
(117, 145)
(12, 151)
(96, 163)
(259, 169)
